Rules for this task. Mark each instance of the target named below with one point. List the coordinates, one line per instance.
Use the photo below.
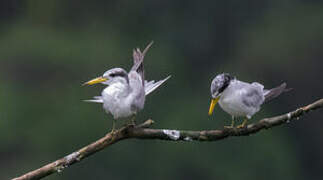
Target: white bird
(125, 93)
(240, 99)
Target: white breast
(114, 89)
(115, 100)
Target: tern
(240, 99)
(125, 93)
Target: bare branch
(143, 131)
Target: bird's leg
(232, 124)
(113, 130)
(113, 126)
(244, 123)
(133, 120)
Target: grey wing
(152, 85)
(96, 99)
(138, 60)
(253, 96)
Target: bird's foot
(228, 127)
(231, 126)
(113, 131)
(113, 134)
(243, 125)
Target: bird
(240, 99)
(125, 93)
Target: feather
(274, 92)
(97, 99)
(152, 85)
(138, 60)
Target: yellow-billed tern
(125, 93)
(240, 99)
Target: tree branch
(143, 131)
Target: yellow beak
(95, 81)
(212, 105)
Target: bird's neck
(118, 88)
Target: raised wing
(152, 85)
(138, 61)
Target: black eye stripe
(225, 85)
(226, 82)
(117, 74)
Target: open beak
(212, 105)
(95, 81)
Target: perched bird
(240, 99)
(125, 93)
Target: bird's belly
(117, 108)
(115, 103)
(234, 107)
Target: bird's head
(112, 75)
(218, 85)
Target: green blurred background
(49, 48)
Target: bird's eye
(112, 75)
(120, 74)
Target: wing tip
(147, 47)
(284, 86)
(169, 76)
